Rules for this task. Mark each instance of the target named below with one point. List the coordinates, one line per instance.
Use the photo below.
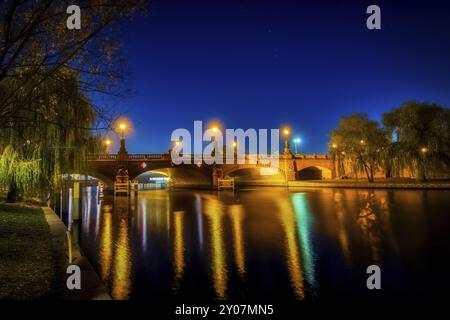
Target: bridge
(201, 175)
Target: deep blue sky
(261, 64)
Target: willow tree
(361, 142)
(54, 132)
(46, 74)
(421, 137)
(18, 173)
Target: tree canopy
(48, 75)
(414, 136)
(360, 140)
(420, 135)
(35, 44)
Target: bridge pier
(216, 174)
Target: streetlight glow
(296, 142)
(424, 150)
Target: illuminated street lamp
(214, 129)
(424, 150)
(296, 142)
(362, 141)
(122, 127)
(286, 133)
(334, 146)
(287, 151)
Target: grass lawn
(26, 263)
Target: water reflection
(293, 259)
(214, 211)
(342, 234)
(254, 242)
(305, 222)
(368, 221)
(106, 242)
(121, 283)
(178, 259)
(237, 214)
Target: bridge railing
(150, 156)
(166, 156)
(102, 157)
(313, 156)
(133, 156)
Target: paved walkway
(92, 287)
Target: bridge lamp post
(422, 168)
(287, 151)
(122, 127)
(337, 159)
(178, 144)
(215, 129)
(286, 132)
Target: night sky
(262, 64)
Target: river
(267, 243)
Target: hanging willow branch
(23, 173)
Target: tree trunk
(388, 168)
(366, 171)
(12, 193)
(371, 174)
(421, 175)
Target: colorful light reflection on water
(302, 245)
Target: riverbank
(27, 269)
(33, 257)
(377, 184)
(92, 287)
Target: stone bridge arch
(181, 176)
(313, 173)
(314, 167)
(254, 174)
